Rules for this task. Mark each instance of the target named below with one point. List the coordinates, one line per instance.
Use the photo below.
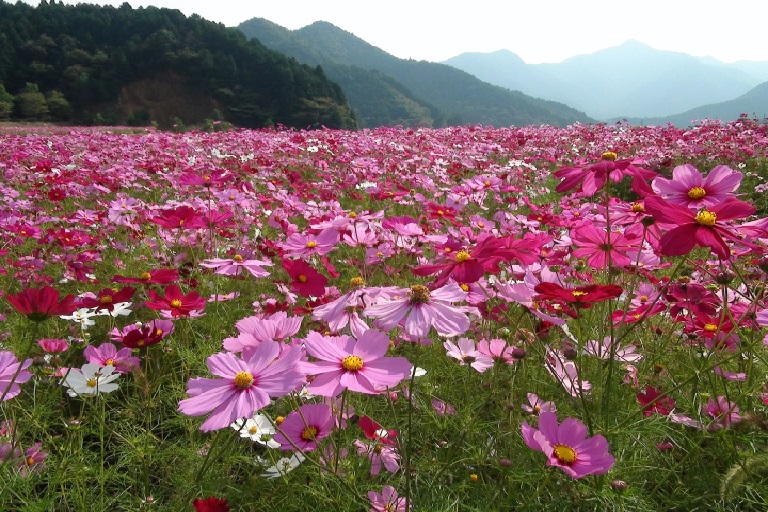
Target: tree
(6, 103)
(31, 102)
(58, 106)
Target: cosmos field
(466, 318)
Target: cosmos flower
(243, 386)
(175, 302)
(91, 379)
(305, 280)
(654, 400)
(386, 501)
(41, 304)
(359, 365)
(536, 405)
(106, 299)
(566, 446)
(235, 266)
(690, 189)
(107, 354)
(211, 504)
(258, 428)
(12, 373)
(467, 353)
(303, 428)
(284, 466)
(156, 276)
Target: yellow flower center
(311, 244)
(357, 281)
(487, 183)
(253, 430)
(578, 293)
(91, 383)
(710, 327)
(145, 276)
(643, 298)
(696, 193)
(564, 454)
(706, 218)
(243, 380)
(464, 286)
(158, 332)
(30, 461)
(109, 362)
(352, 363)
(279, 420)
(309, 433)
(238, 258)
(609, 155)
(302, 278)
(462, 256)
(440, 212)
(352, 215)
(419, 294)
(106, 299)
(176, 303)
(637, 207)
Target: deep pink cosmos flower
(593, 177)
(358, 365)
(176, 302)
(244, 386)
(305, 280)
(386, 501)
(107, 354)
(566, 446)
(654, 400)
(235, 265)
(211, 504)
(419, 309)
(183, 217)
(688, 188)
(707, 228)
(53, 345)
(12, 373)
(306, 245)
(305, 427)
(724, 412)
(142, 336)
(107, 298)
(41, 304)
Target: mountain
(87, 64)
(754, 104)
(630, 80)
(442, 90)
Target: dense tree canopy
(87, 61)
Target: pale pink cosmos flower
(536, 405)
(418, 309)
(602, 350)
(467, 353)
(255, 329)
(497, 349)
(236, 265)
(244, 385)
(12, 373)
(566, 373)
(689, 188)
(379, 455)
(359, 364)
(300, 245)
(107, 354)
(386, 501)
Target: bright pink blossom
(690, 189)
(305, 427)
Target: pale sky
(536, 30)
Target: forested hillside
(90, 64)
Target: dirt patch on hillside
(162, 98)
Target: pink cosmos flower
(34, 460)
(358, 365)
(386, 501)
(235, 266)
(688, 188)
(303, 428)
(379, 454)
(566, 373)
(602, 350)
(536, 405)
(53, 345)
(599, 246)
(175, 302)
(419, 309)
(306, 245)
(255, 329)
(591, 178)
(566, 446)
(724, 412)
(467, 353)
(244, 386)
(305, 280)
(654, 400)
(497, 349)
(107, 354)
(12, 373)
(703, 229)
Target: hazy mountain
(754, 103)
(630, 80)
(457, 95)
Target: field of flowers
(467, 318)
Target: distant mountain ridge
(441, 93)
(631, 80)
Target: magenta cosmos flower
(305, 427)
(244, 386)
(566, 446)
(358, 365)
(600, 246)
(419, 308)
(174, 301)
(689, 188)
(703, 229)
(12, 373)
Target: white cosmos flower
(81, 316)
(259, 429)
(91, 379)
(284, 466)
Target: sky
(536, 30)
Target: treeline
(89, 64)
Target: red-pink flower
(566, 446)
(688, 188)
(358, 365)
(176, 302)
(600, 246)
(305, 280)
(654, 400)
(41, 304)
(707, 228)
(107, 298)
(183, 217)
(211, 504)
(156, 276)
